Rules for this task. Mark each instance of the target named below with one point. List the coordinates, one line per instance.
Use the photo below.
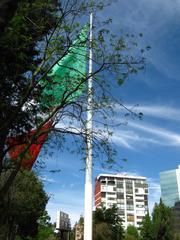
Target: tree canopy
(107, 224)
(132, 233)
(159, 227)
(37, 35)
(23, 206)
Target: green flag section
(64, 79)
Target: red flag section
(20, 143)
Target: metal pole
(88, 177)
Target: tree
(20, 57)
(107, 224)
(102, 232)
(39, 34)
(160, 226)
(146, 228)
(45, 228)
(131, 233)
(161, 222)
(23, 206)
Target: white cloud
(164, 136)
(141, 134)
(157, 111)
(130, 139)
(47, 179)
(165, 112)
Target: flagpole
(88, 175)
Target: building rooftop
(120, 175)
(170, 170)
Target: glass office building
(170, 186)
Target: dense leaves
(7, 11)
(19, 58)
(146, 228)
(107, 224)
(160, 226)
(22, 207)
(132, 233)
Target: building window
(103, 194)
(128, 180)
(120, 195)
(111, 183)
(120, 190)
(103, 182)
(129, 202)
(130, 218)
(129, 197)
(121, 206)
(128, 191)
(120, 211)
(139, 211)
(140, 200)
(130, 207)
(111, 199)
(120, 185)
(111, 193)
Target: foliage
(23, 206)
(19, 59)
(7, 11)
(131, 233)
(39, 34)
(45, 228)
(176, 236)
(161, 222)
(102, 231)
(146, 228)
(107, 224)
(160, 226)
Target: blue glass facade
(169, 187)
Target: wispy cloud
(47, 179)
(165, 112)
(159, 111)
(130, 139)
(143, 133)
(165, 137)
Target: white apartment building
(129, 193)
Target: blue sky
(152, 144)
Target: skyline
(150, 145)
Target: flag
(63, 80)
(18, 145)
(65, 76)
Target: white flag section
(88, 177)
